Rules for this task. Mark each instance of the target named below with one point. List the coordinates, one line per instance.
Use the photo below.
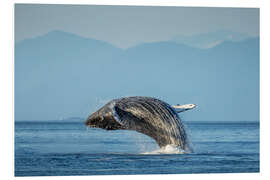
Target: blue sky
(126, 26)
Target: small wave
(169, 149)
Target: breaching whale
(146, 115)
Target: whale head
(104, 118)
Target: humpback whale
(146, 115)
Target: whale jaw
(104, 121)
(104, 124)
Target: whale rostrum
(146, 115)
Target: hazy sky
(126, 26)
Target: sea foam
(169, 149)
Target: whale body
(146, 115)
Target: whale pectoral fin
(125, 118)
(119, 115)
(182, 108)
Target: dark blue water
(65, 148)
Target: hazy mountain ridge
(211, 39)
(63, 75)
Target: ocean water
(70, 148)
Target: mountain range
(210, 39)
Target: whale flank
(146, 115)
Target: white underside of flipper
(182, 108)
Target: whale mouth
(106, 127)
(103, 123)
(92, 126)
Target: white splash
(169, 149)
